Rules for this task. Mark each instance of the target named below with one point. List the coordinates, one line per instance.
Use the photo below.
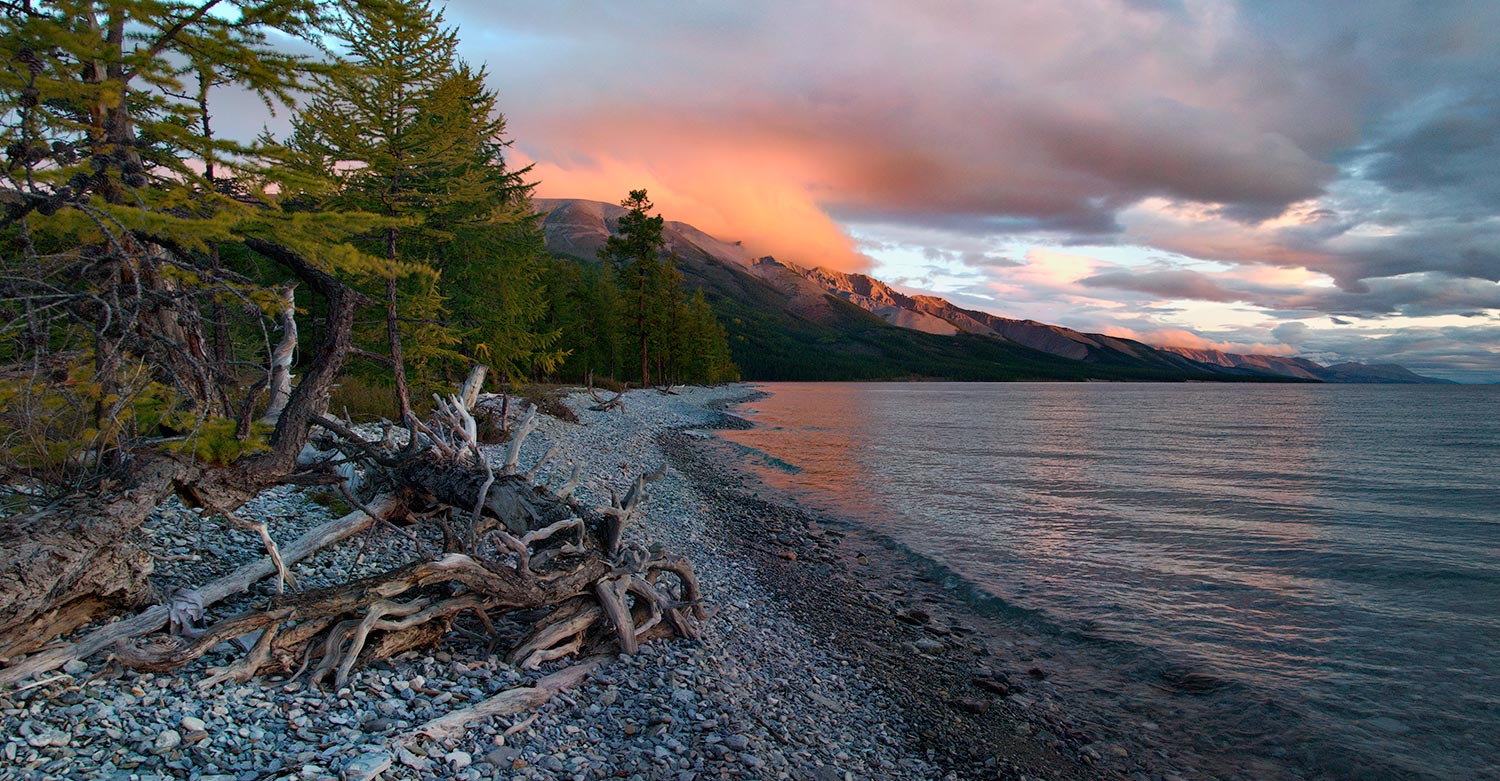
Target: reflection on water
(1332, 549)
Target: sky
(1308, 178)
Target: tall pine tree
(635, 248)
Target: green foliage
(676, 340)
(214, 441)
(407, 130)
(586, 311)
(50, 423)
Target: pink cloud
(1178, 337)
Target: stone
(166, 740)
(367, 766)
(44, 737)
(993, 686)
(192, 724)
(501, 757)
(914, 616)
(975, 706)
(458, 760)
(76, 667)
(378, 725)
(737, 742)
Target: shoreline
(978, 687)
(816, 666)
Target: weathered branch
(235, 582)
(508, 702)
(281, 359)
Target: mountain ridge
(807, 299)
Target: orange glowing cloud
(733, 187)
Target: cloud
(1180, 283)
(769, 216)
(1265, 161)
(1178, 337)
(1422, 294)
(1002, 117)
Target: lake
(1308, 573)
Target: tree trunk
(62, 564)
(393, 332)
(640, 324)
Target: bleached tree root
(236, 582)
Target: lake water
(1304, 573)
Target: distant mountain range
(787, 322)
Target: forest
(196, 316)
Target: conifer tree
(634, 249)
(412, 133)
(110, 214)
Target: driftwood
(155, 618)
(507, 703)
(511, 544)
(601, 404)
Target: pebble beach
(826, 657)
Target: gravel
(767, 693)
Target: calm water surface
(1325, 560)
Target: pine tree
(634, 249)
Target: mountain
(1302, 368)
(787, 322)
(1269, 364)
(938, 315)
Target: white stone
(367, 766)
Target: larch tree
(113, 398)
(409, 132)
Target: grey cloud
(1049, 117)
(1180, 283)
(1293, 333)
(1412, 294)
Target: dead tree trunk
(61, 565)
